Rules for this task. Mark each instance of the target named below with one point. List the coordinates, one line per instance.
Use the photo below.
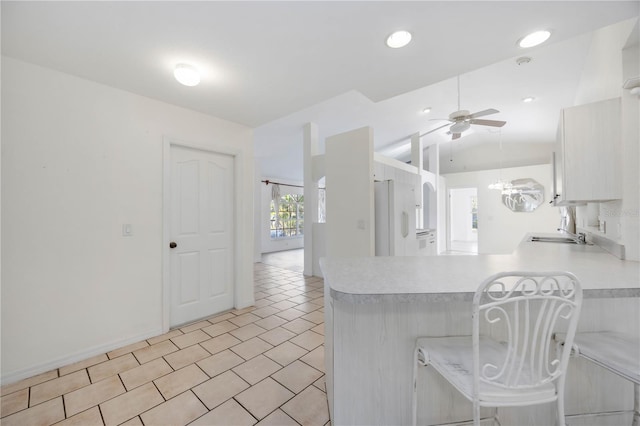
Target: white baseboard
(75, 357)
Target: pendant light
(500, 184)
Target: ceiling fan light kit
(460, 127)
(462, 120)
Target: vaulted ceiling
(276, 65)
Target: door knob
(172, 244)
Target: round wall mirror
(523, 195)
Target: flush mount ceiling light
(528, 99)
(399, 39)
(186, 74)
(534, 39)
(427, 110)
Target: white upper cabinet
(588, 163)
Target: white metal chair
(525, 309)
(617, 352)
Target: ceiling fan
(463, 119)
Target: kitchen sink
(562, 240)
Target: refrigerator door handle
(405, 224)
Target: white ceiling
(277, 65)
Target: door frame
(238, 273)
(449, 210)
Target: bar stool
(524, 369)
(617, 352)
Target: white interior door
(202, 224)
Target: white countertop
(446, 278)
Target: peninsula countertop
(449, 278)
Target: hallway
(293, 260)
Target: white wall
(257, 216)
(614, 56)
(489, 156)
(602, 69)
(441, 218)
(267, 244)
(500, 230)
(349, 181)
(79, 160)
(629, 208)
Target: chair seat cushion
(452, 357)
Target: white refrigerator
(395, 219)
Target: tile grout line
(28, 398)
(245, 408)
(101, 415)
(279, 407)
(202, 402)
(64, 406)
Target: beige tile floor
(288, 259)
(262, 365)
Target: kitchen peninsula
(375, 308)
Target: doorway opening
(463, 221)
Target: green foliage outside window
(287, 218)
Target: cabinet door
(431, 242)
(591, 142)
(557, 192)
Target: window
(322, 205)
(287, 217)
(474, 213)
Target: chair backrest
(524, 309)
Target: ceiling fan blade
(483, 113)
(493, 123)
(455, 136)
(436, 129)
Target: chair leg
(414, 403)
(476, 413)
(636, 404)
(496, 420)
(561, 419)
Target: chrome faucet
(580, 238)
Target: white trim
(239, 275)
(75, 357)
(166, 233)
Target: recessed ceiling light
(534, 39)
(399, 39)
(528, 99)
(187, 74)
(427, 110)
